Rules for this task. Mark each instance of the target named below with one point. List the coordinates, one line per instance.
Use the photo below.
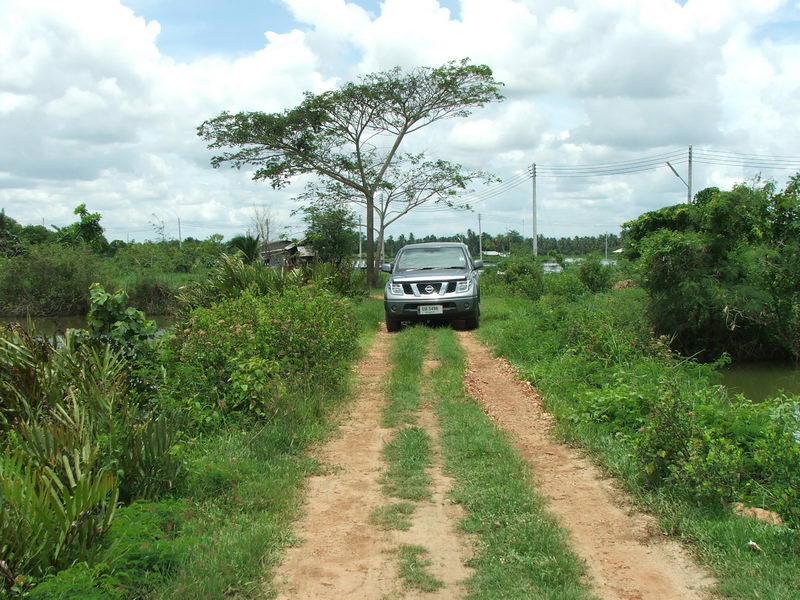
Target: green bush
(243, 353)
(565, 285)
(523, 275)
(155, 295)
(79, 582)
(50, 279)
(230, 277)
(723, 273)
(595, 275)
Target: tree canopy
(331, 230)
(352, 135)
(723, 273)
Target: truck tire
(392, 324)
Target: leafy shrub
(523, 275)
(723, 274)
(155, 295)
(341, 279)
(79, 582)
(142, 547)
(49, 279)
(243, 352)
(595, 275)
(565, 285)
(111, 321)
(230, 277)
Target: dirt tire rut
(627, 557)
(342, 555)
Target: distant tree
(331, 229)
(36, 234)
(263, 224)
(10, 244)
(87, 230)
(352, 135)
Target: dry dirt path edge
(341, 554)
(626, 556)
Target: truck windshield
(431, 258)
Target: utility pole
(359, 241)
(533, 211)
(689, 184)
(180, 239)
(480, 238)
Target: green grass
(538, 345)
(414, 569)
(393, 516)
(402, 391)
(521, 551)
(408, 457)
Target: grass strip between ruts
(521, 551)
(414, 563)
(402, 390)
(407, 454)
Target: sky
(100, 101)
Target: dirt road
(627, 556)
(342, 555)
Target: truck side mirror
(387, 267)
(478, 264)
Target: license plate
(433, 309)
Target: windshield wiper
(421, 268)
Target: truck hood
(429, 275)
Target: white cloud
(92, 111)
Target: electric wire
(656, 159)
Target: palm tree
(247, 247)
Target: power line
(656, 159)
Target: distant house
(285, 254)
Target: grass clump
(414, 569)
(393, 516)
(522, 552)
(403, 387)
(408, 456)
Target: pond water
(759, 381)
(50, 326)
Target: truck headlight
(463, 286)
(396, 288)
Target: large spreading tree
(350, 136)
(410, 182)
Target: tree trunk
(372, 274)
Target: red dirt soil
(627, 556)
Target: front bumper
(452, 308)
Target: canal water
(50, 326)
(759, 381)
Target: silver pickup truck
(432, 282)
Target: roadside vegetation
(686, 447)
(138, 467)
